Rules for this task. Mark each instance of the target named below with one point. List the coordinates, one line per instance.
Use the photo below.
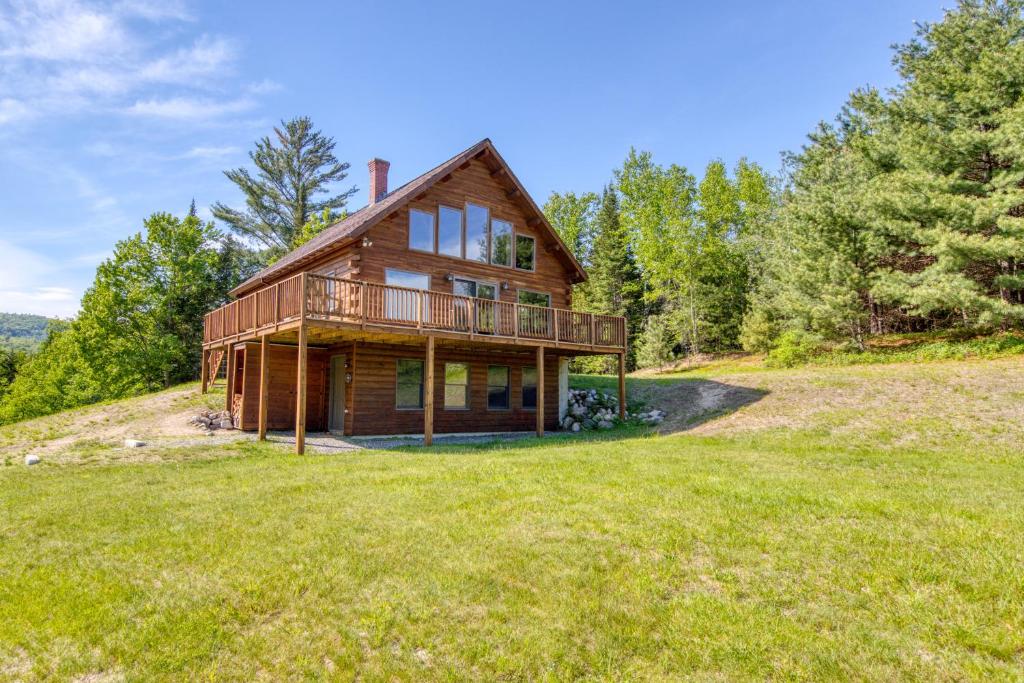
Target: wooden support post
(300, 397)
(428, 395)
(204, 370)
(230, 384)
(622, 386)
(264, 385)
(540, 391)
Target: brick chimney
(378, 179)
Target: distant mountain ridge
(23, 331)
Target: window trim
(462, 232)
(423, 382)
(512, 246)
(508, 388)
(515, 252)
(487, 232)
(522, 386)
(434, 217)
(532, 291)
(468, 385)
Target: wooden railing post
(419, 310)
(515, 315)
(592, 339)
(555, 311)
(363, 303)
(472, 317)
(302, 298)
(277, 304)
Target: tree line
(905, 214)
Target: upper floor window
(474, 288)
(421, 230)
(405, 278)
(449, 231)
(399, 305)
(526, 252)
(534, 298)
(477, 218)
(471, 234)
(501, 243)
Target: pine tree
(615, 286)
(281, 197)
(952, 195)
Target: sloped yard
(851, 523)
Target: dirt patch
(925, 405)
(98, 432)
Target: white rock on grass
(31, 459)
(134, 443)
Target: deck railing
(361, 303)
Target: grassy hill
(22, 331)
(842, 522)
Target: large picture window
(526, 252)
(404, 306)
(456, 386)
(529, 388)
(449, 231)
(497, 387)
(477, 218)
(501, 243)
(421, 230)
(409, 385)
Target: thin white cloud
(66, 58)
(188, 108)
(210, 152)
(13, 110)
(154, 10)
(62, 30)
(209, 56)
(264, 87)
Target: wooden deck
(310, 300)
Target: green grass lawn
(778, 554)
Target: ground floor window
(529, 388)
(456, 386)
(497, 387)
(409, 385)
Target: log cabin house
(441, 306)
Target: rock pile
(652, 417)
(211, 420)
(592, 409)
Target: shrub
(795, 347)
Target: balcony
(321, 301)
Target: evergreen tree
(615, 286)
(282, 196)
(952, 194)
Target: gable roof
(355, 225)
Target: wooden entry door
(336, 422)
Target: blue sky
(110, 111)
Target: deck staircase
(217, 357)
